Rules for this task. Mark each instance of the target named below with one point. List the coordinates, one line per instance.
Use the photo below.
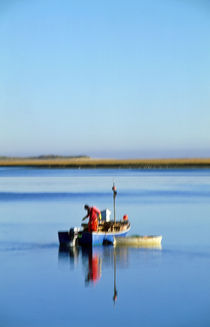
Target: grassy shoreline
(105, 163)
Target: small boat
(140, 241)
(106, 234)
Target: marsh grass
(104, 163)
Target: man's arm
(88, 214)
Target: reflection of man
(93, 213)
(94, 268)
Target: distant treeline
(53, 156)
(48, 156)
(53, 161)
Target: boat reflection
(92, 259)
(106, 254)
(96, 260)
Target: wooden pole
(114, 210)
(114, 189)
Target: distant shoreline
(86, 162)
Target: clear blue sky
(106, 78)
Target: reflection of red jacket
(94, 268)
(93, 219)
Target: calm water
(40, 286)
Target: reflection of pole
(114, 189)
(115, 287)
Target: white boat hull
(140, 241)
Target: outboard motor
(73, 235)
(69, 238)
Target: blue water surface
(43, 286)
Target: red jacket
(93, 214)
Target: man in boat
(93, 214)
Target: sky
(108, 78)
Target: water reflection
(94, 260)
(115, 282)
(87, 255)
(97, 259)
(94, 268)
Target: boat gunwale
(109, 233)
(142, 237)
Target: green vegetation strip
(86, 162)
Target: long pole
(114, 189)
